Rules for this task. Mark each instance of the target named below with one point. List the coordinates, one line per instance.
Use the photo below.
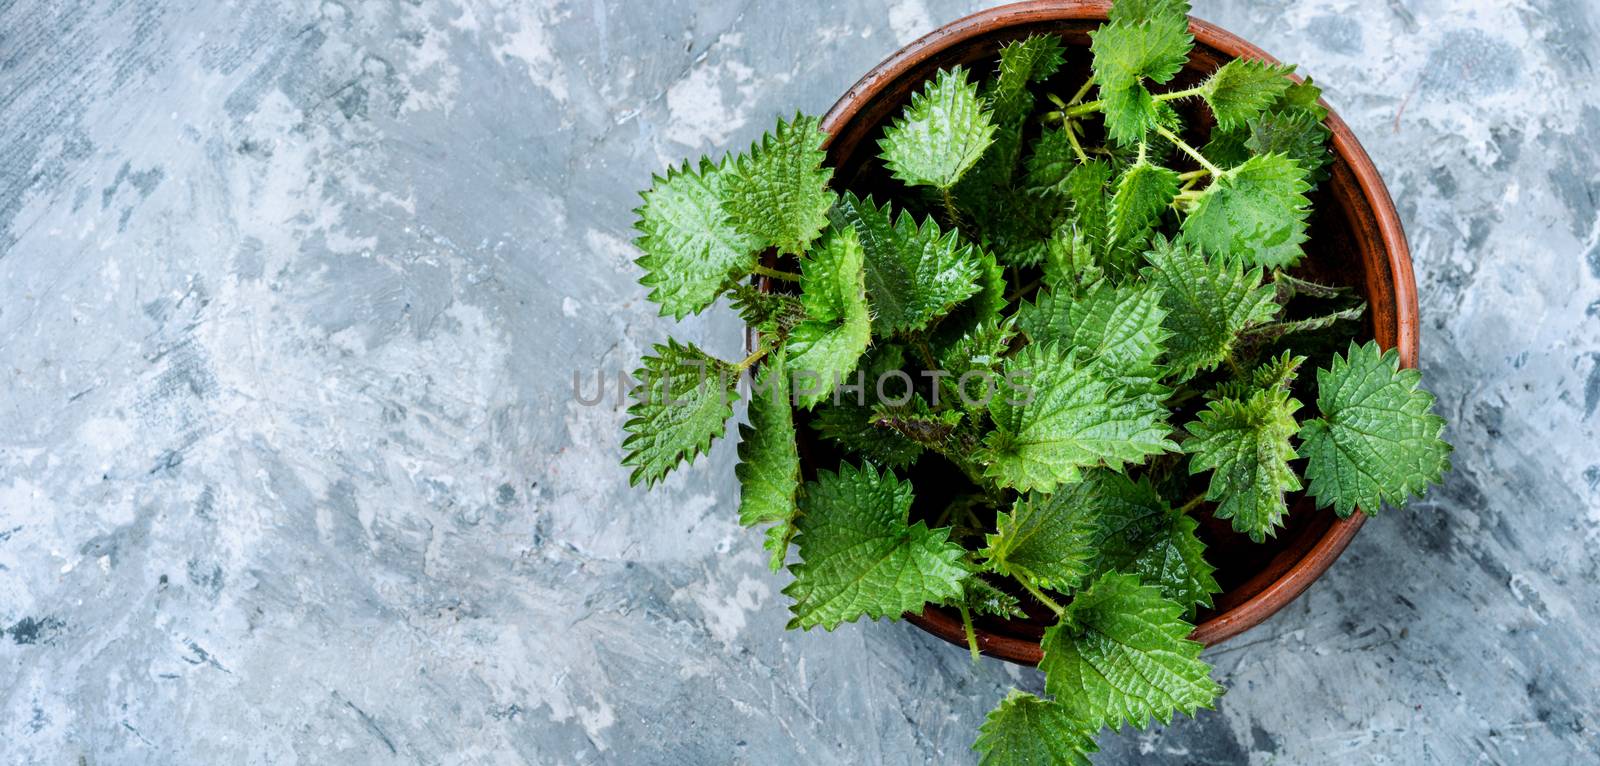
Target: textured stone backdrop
(290, 298)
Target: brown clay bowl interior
(1356, 240)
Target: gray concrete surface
(291, 294)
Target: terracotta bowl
(1355, 240)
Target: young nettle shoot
(1077, 306)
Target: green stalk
(787, 276)
(752, 359)
(1189, 150)
(1023, 290)
(1082, 91)
(1060, 610)
(1090, 107)
(1192, 504)
(1177, 94)
(920, 343)
(1072, 138)
(953, 217)
(972, 634)
(1233, 366)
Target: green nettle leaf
(1245, 445)
(1056, 413)
(1120, 654)
(983, 348)
(1226, 148)
(771, 314)
(918, 422)
(1149, 43)
(1023, 62)
(1022, 236)
(982, 307)
(824, 349)
(1173, 559)
(1268, 333)
(690, 246)
(913, 273)
(1089, 187)
(978, 192)
(1070, 265)
(983, 598)
(1050, 163)
(1027, 731)
(1126, 53)
(1130, 113)
(1292, 126)
(1010, 101)
(1157, 145)
(1304, 95)
(684, 400)
(1256, 211)
(1119, 325)
(1278, 372)
(769, 462)
(1288, 287)
(976, 356)
(1242, 89)
(1143, 191)
(850, 425)
(1047, 540)
(941, 135)
(1135, 11)
(861, 556)
(1298, 134)
(1137, 532)
(977, 197)
(1209, 301)
(1377, 440)
(1085, 237)
(779, 193)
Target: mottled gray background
(290, 297)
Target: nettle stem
(1060, 610)
(1082, 91)
(1234, 366)
(1065, 110)
(919, 342)
(1097, 105)
(1177, 94)
(750, 360)
(1089, 107)
(787, 276)
(1072, 138)
(1022, 291)
(1189, 150)
(966, 624)
(1193, 503)
(1193, 175)
(952, 217)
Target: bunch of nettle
(1072, 326)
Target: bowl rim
(1284, 586)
